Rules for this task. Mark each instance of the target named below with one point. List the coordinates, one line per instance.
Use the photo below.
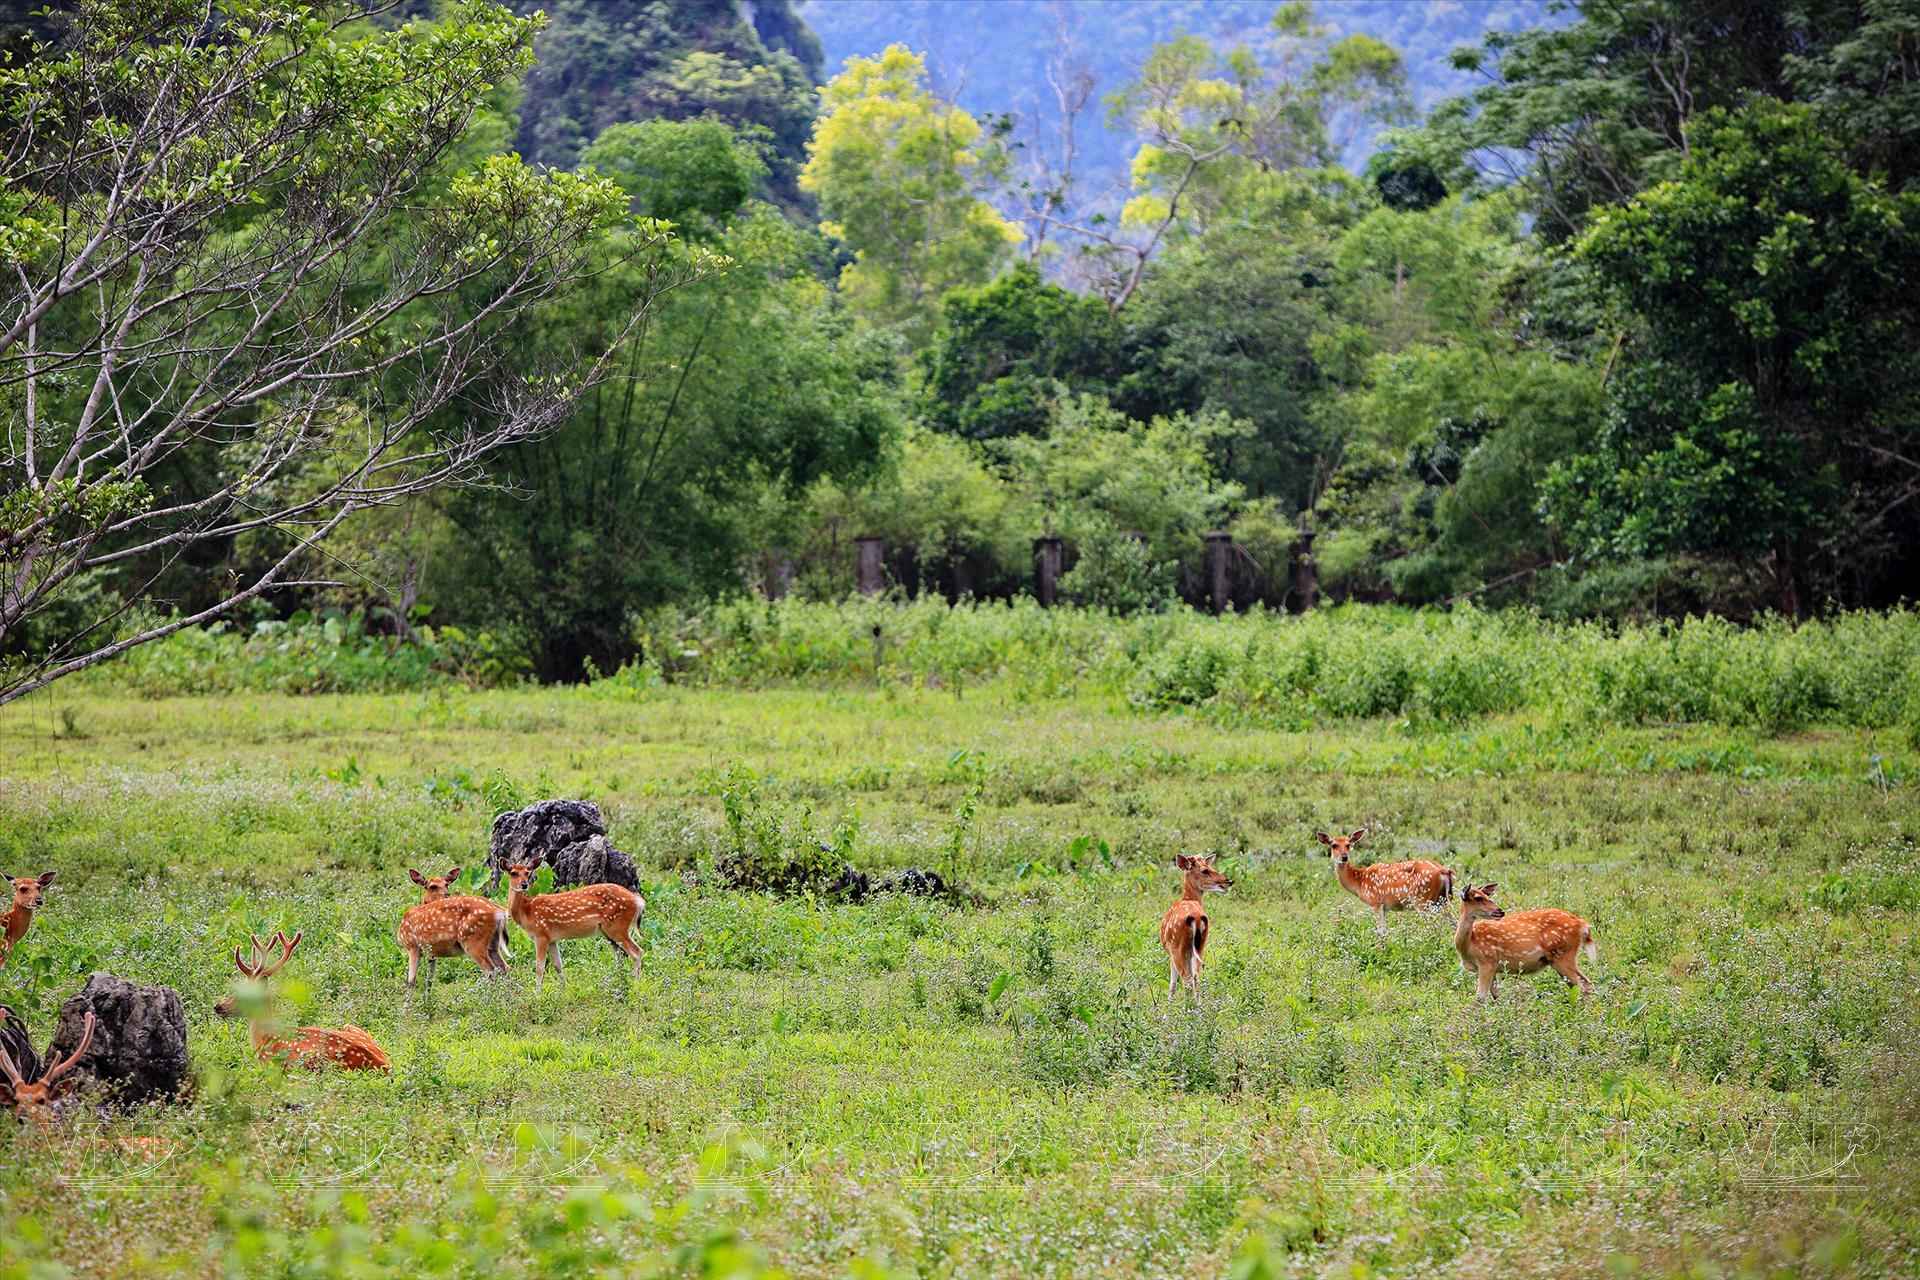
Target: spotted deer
(433, 888)
(552, 918)
(1489, 940)
(446, 926)
(1386, 886)
(314, 1048)
(1185, 927)
(27, 893)
(34, 1093)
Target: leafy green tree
(1005, 351)
(609, 62)
(751, 381)
(692, 173)
(242, 291)
(899, 176)
(1772, 406)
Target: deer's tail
(1446, 886)
(1587, 948)
(1198, 941)
(499, 950)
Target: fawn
(349, 1048)
(446, 926)
(1489, 939)
(433, 888)
(1386, 886)
(550, 918)
(39, 1098)
(1184, 928)
(27, 892)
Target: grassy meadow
(996, 1086)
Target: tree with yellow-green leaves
(898, 173)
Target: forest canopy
(458, 315)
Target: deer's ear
(416, 877)
(1488, 888)
(453, 874)
(1357, 836)
(1183, 862)
(1323, 838)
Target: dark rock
(139, 1049)
(18, 1045)
(568, 835)
(922, 884)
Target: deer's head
(35, 1099)
(27, 890)
(1478, 904)
(1201, 875)
(434, 887)
(256, 967)
(1340, 848)
(520, 875)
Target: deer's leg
(413, 964)
(623, 939)
(1173, 974)
(1568, 967)
(1380, 919)
(539, 964)
(560, 970)
(1484, 990)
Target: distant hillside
(992, 55)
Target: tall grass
(1260, 669)
(1352, 662)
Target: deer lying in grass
(1184, 927)
(349, 1048)
(551, 918)
(32, 1089)
(447, 926)
(1490, 940)
(1386, 886)
(27, 892)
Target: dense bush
(1351, 662)
(314, 655)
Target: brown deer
(1386, 886)
(551, 918)
(31, 1092)
(1490, 940)
(314, 1048)
(27, 893)
(433, 888)
(1184, 927)
(446, 926)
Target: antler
(13, 1072)
(86, 1038)
(286, 952)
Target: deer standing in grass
(1184, 927)
(1386, 886)
(32, 1092)
(27, 892)
(447, 926)
(552, 918)
(1490, 940)
(349, 1048)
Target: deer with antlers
(27, 893)
(445, 926)
(1489, 940)
(1184, 928)
(1386, 886)
(32, 1089)
(551, 918)
(349, 1048)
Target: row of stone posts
(1049, 562)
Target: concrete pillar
(1047, 559)
(1306, 577)
(1219, 584)
(870, 567)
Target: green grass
(1002, 1087)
